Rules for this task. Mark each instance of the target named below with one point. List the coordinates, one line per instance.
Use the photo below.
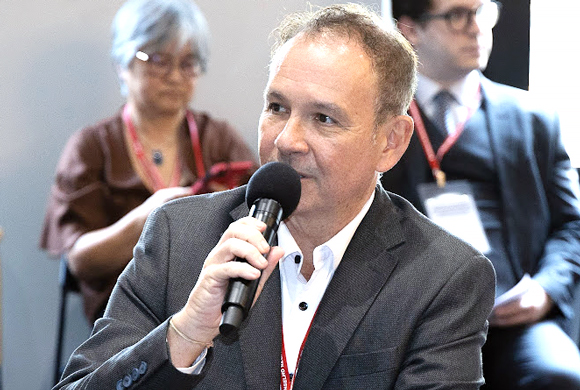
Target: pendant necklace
(150, 167)
(157, 157)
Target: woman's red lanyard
(287, 379)
(150, 169)
(435, 159)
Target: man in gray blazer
(361, 290)
(509, 150)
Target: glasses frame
(463, 17)
(162, 64)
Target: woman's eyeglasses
(161, 64)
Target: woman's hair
(150, 25)
(393, 58)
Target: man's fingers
(247, 229)
(233, 269)
(512, 313)
(507, 309)
(234, 247)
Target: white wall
(55, 77)
(554, 43)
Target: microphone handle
(240, 294)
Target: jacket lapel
(359, 278)
(506, 130)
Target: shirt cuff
(197, 366)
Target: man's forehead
(327, 75)
(443, 5)
(319, 46)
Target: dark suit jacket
(406, 308)
(539, 189)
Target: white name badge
(453, 208)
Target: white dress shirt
(297, 292)
(465, 92)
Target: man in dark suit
(361, 290)
(526, 193)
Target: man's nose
(292, 138)
(475, 23)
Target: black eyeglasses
(458, 19)
(161, 64)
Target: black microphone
(272, 194)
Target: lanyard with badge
(450, 204)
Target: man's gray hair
(392, 56)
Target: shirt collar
(337, 244)
(465, 90)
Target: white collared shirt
(298, 292)
(465, 92)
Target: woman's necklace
(157, 157)
(150, 169)
(156, 152)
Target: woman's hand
(157, 199)
(103, 253)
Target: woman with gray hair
(113, 174)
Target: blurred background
(56, 77)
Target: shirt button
(297, 259)
(303, 306)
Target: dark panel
(509, 62)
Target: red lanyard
(435, 159)
(150, 169)
(287, 379)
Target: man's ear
(395, 135)
(408, 28)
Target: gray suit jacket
(406, 308)
(539, 189)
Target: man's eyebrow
(333, 110)
(273, 95)
(328, 107)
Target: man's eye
(275, 107)
(458, 14)
(324, 119)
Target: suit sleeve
(127, 348)
(445, 350)
(559, 266)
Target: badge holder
(453, 208)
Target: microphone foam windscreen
(277, 181)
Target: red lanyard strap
(150, 169)
(194, 135)
(286, 378)
(434, 159)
